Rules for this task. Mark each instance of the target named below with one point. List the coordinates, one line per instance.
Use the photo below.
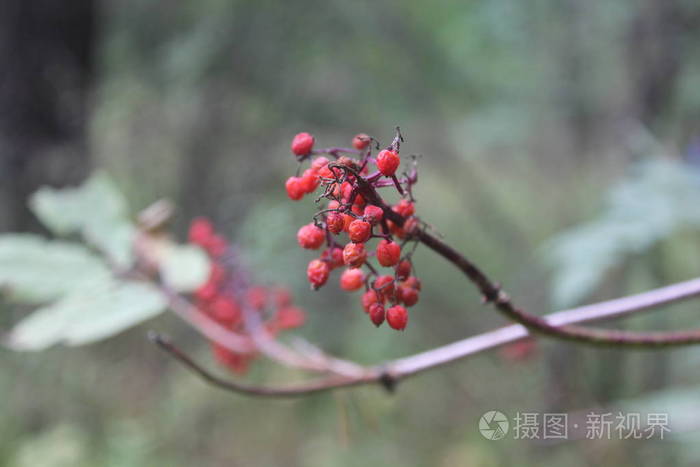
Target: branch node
(388, 380)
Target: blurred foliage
(84, 300)
(522, 111)
(658, 198)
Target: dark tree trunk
(46, 67)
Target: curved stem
(393, 371)
(492, 293)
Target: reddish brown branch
(492, 293)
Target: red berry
(387, 162)
(283, 297)
(335, 222)
(207, 292)
(319, 163)
(302, 144)
(225, 310)
(309, 181)
(233, 361)
(361, 141)
(347, 162)
(215, 245)
(351, 279)
(327, 172)
(200, 230)
(376, 314)
(407, 295)
(369, 298)
(412, 282)
(295, 188)
(310, 237)
(290, 317)
(373, 214)
(257, 297)
(347, 220)
(397, 317)
(388, 253)
(333, 204)
(405, 208)
(384, 285)
(359, 231)
(317, 272)
(409, 227)
(333, 256)
(403, 270)
(354, 255)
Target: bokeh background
(554, 136)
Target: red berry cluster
(225, 295)
(349, 222)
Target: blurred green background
(559, 142)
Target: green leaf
(34, 271)
(184, 267)
(88, 315)
(96, 209)
(87, 303)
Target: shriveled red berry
(310, 237)
(373, 214)
(403, 270)
(376, 314)
(319, 163)
(384, 285)
(359, 231)
(347, 220)
(317, 272)
(295, 188)
(335, 222)
(352, 279)
(361, 141)
(370, 297)
(334, 257)
(397, 317)
(328, 172)
(309, 181)
(302, 144)
(387, 162)
(388, 253)
(405, 208)
(407, 295)
(354, 254)
(333, 204)
(200, 230)
(413, 282)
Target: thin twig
(389, 373)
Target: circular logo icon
(493, 425)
